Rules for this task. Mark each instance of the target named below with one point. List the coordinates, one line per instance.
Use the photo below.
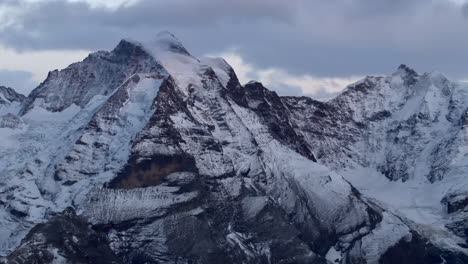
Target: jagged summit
(408, 75)
(100, 73)
(127, 47)
(9, 95)
(406, 69)
(166, 41)
(403, 81)
(10, 101)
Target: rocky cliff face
(167, 158)
(8, 95)
(63, 238)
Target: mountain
(10, 100)
(9, 96)
(147, 154)
(10, 104)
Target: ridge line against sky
(311, 47)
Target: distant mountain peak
(405, 68)
(126, 46)
(8, 95)
(408, 75)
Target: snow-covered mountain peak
(124, 47)
(10, 101)
(192, 75)
(9, 95)
(407, 74)
(394, 115)
(404, 69)
(101, 73)
(167, 42)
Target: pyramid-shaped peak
(406, 70)
(166, 35)
(10, 94)
(127, 47)
(165, 40)
(409, 76)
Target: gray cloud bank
(321, 37)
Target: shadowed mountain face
(63, 238)
(167, 158)
(8, 95)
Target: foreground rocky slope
(167, 158)
(63, 238)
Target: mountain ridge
(173, 160)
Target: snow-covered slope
(401, 141)
(171, 160)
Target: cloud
(285, 83)
(77, 24)
(465, 9)
(36, 63)
(111, 4)
(21, 81)
(322, 38)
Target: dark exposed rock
(269, 106)
(215, 229)
(464, 119)
(410, 76)
(380, 115)
(65, 236)
(150, 172)
(455, 202)
(418, 250)
(8, 95)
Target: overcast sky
(293, 46)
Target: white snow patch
(333, 255)
(220, 67)
(40, 114)
(387, 234)
(251, 206)
(416, 200)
